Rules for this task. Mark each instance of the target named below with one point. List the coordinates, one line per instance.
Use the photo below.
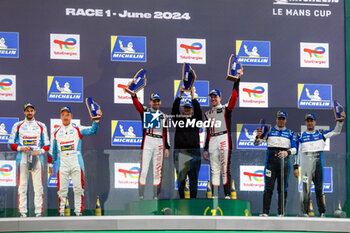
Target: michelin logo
(63, 89)
(3, 129)
(254, 53)
(6, 125)
(9, 44)
(314, 96)
(128, 48)
(131, 137)
(246, 135)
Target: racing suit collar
(27, 121)
(66, 126)
(153, 110)
(218, 106)
(310, 132)
(278, 128)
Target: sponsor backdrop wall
(56, 53)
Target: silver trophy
(92, 107)
(32, 161)
(338, 110)
(188, 77)
(234, 69)
(138, 82)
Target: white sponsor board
(126, 175)
(192, 51)
(65, 46)
(123, 97)
(253, 95)
(314, 55)
(7, 87)
(251, 178)
(7, 173)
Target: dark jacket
(186, 137)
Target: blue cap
(215, 92)
(28, 105)
(66, 108)
(282, 113)
(155, 96)
(187, 103)
(310, 116)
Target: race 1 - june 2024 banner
(56, 53)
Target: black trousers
(273, 172)
(187, 163)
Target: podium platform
(174, 224)
(203, 207)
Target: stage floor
(174, 223)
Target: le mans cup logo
(253, 53)
(314, 96)
(192, 51)
(65, 46)
(251, 178)
(7, 173)
(121, 96)
(9, 44)
(128, 48)
(253, 95)
(126, 175)
(64, 89)
(6, 125)
(7, 87)
(126, 133)
(315, 55)
(201, 91)
(246, 135)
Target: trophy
(31, 162)
(188, 77)
(92, 107)
(234, 69)
(138, 82)
(338, 110)
(264, 128)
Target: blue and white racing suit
(34, 134)
(310, 158)
(278, 139)
(65, 151)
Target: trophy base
(31, 165)
(130, 92)
(232, 78)
(96, 118)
